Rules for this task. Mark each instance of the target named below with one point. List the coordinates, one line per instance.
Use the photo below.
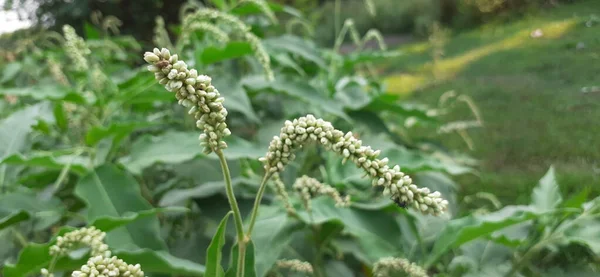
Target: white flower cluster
(295, 265)
(89, 236)
(399, 186)
(99, 266)
(307, 186)
(195, 92)
(385, 266)
(76, 48)
(282, 194)
(202, 15)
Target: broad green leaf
(176, 147)
(463, 230)
(153, 261)
(38, 92)
(15, 128)
(585, 232)
(90, 31)
(298, 89)
(177, 196)
(272, 234)
(108, 223)
(249, 270)
(546, 195)
(232, 50)
(372, 229)
(214, 253)
(577, 200)
(295, 46)
(353, 96)
(76, 163)
(10, 71)
(414, 161)
(22, 205)
(60, 116)
(34, 257)
(170, 147)
(141, 87)
(107, 191)
(117, 131)
(389, 102)
(236, 98)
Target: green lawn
(529, 91)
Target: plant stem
(259, 195)
(237, 215)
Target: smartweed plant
(195, 92)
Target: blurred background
(489, 94)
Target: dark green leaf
(295, 46)
(298, 89)
(90, 31)
(249, 270)
(214, 252)
(236, 98)
(389, 102)
(108, 223)
(34, 257)
(76, 163)
(161, 262)
(546, 195)
(107, 191)
(60, 116)
(10, 71)
(272, 234)
(170, 147)
(232, 50)
(463, 230)
(20, 206)
(117, 130)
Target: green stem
(259, 195)
(237, 215)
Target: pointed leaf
(108, 223)
(19, 206)
(76, 164)
(107, 191)
(214, 253)
(546, 195)
(249, 270)
(153, 261)
(463, 230)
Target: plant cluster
(103, 174)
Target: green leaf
(371, 229)
(272, 234)
(236, 98)
(76, 163)
(356, 58)
(352, 96)
(170, 147)
(248, 8)
(34, 257)
(38, 92)
(295, 46)
(176, 147)
(161, 262)
(232, 50)
(389, 102)
(462, 230)
(414, 161)
(107, 191)
(108, 223)
(117, 131)
(298, 89)
(15, 128)
(23, 205)
(90, 31)
(214, 252)
(249, 270)
(60, 116)
(10, 71)
(546, 195)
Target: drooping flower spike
(294, 134)
(194, 92)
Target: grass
(529, 91)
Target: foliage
(107, 147)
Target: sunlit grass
(529, 91)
